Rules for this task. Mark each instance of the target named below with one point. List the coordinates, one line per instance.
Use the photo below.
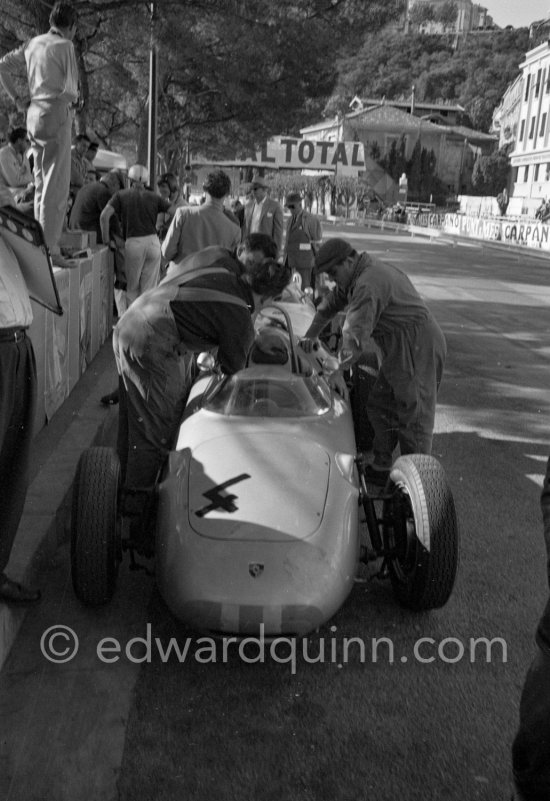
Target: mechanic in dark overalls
(381, 303)
(303, 238)
(208, 306)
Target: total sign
(345, 158)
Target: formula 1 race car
(257, 506)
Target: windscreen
(270, 393)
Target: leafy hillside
(475, 75)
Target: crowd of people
(190, 278)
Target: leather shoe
(11, 592)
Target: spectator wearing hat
(15, 170)
(49, 62)
(303, 239)
(382, 304)
(264, 215)
(197, 227)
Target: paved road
(418, 732)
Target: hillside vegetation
(475, 74)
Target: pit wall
(65, 345)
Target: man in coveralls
(207, 305)
(303, 238)
(381, 303)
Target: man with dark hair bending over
(208, 305)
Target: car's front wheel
(421, 532)
(95, 526)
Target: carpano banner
(346, 158)
(531, 234)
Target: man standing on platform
(50, 64)
(303, 238)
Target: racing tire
(363, 378)
(96, 549)
(420, 523)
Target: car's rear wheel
(421, 528)
(95, 526)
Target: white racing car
(257, 505)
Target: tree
(212, 98)
(422, 13)
(446, 14)
(474, 75)
(490, 174)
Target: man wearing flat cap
(382, 304)
(264, 215)
(303, 237)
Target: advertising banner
(346, 158)
(530, 234)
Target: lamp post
(153, 98)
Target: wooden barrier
(65, 345)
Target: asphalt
(79, 423)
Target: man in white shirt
(15, 170)
(50, 64)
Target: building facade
(530, 158)
(470, 17)
(455, 147)
(506, 116)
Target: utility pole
(153, 98)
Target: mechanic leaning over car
(207, 305)
(381, 303)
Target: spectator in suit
(303, 239)
(264, 215)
